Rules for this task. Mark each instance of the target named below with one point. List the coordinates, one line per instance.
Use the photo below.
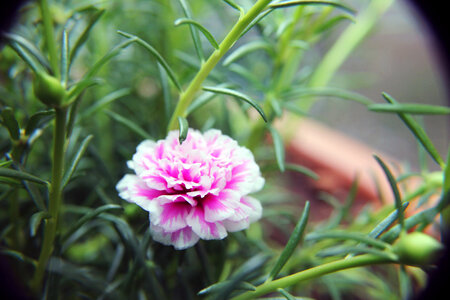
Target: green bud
(417, 248)
(48, 89)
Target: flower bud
(417, 248)
(48, 89)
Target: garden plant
(142, 157)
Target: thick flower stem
(55, 196)
(335, 266)
(188, 95)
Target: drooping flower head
(195, 190)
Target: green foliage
(78, 94)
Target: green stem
(188, 95)
(55, 196)
(335, 266)
(49, 36)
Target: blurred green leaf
(76, 160)
(386, 222)
(35, 120)
(129, 124)
(85, 34)
(246, 49)
(224, 285)
(10, 173)
(200, 101)
(418, 132)
(108, 56)
(286, 294)
(343, 235)
(25, 57)
(18, 255)
(238, 95)
(333, 22)
(410, 108)
(336, 4)
(80, 87)
(10, 122)
(298, 93)
(101, 103)
(183, 127)
(199, 26)
(279, 148)
(303, 170)
(64, 59)
(394, 188)
(155, 53)
(294, 240)
(35, 221)
(235, 6)
(194, 33)
(87, 217)
(30, 47)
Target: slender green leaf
(5, 164)
(155, 53)
(166, 91)
(108, 56)
(10, 122)
(183, 127)
(279, 148)
(446, 177)
(10, 173)
(36, 220)
(296, 237)
(76, 159)
(224, 285)
(238, 95)
(334, 21)
(35, 120)
(193, 29)
(303, 170)
(344, 235)
(85, 34)
(246, 49)
(256, 21)
(19, 256)
(293, 108)
(25, 57)
(235, 6)
(394, 187)
(30, 47)
(80, 87)
(65, 58)
(286, 294)
(386, 222)
(418, 132)
(313, 2)
(89, 216)
(129, 124)
(410, 108)
(354, 250)
(200, 27)
(297, 94)
(103, 102)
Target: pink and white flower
(195, 190)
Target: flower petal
(180, 239)
(205, 230)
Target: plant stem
(335, 266)
(55, 196)
(49, 36)
(187, 96)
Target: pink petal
(205, 230)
